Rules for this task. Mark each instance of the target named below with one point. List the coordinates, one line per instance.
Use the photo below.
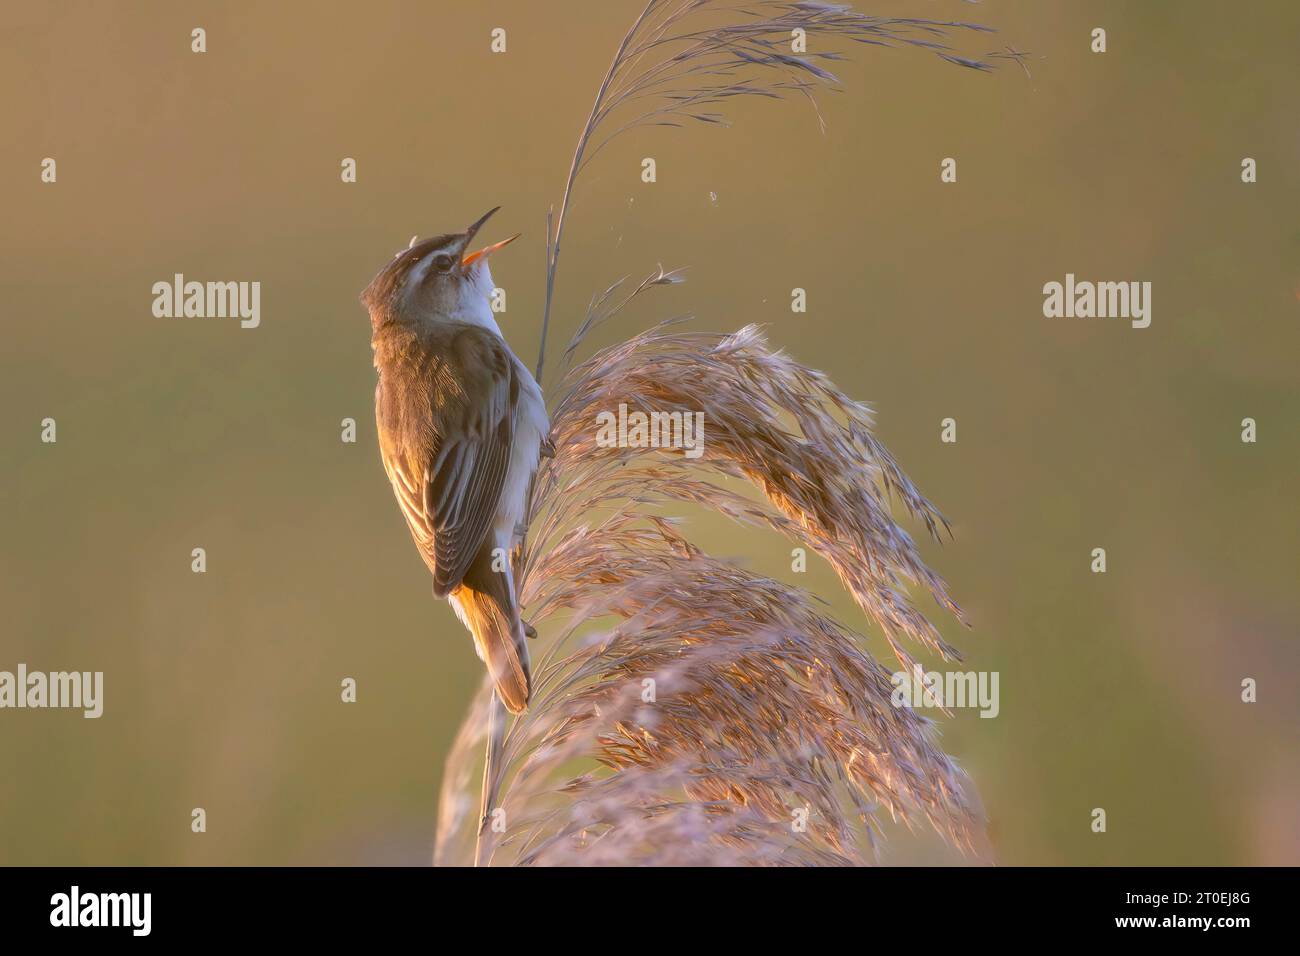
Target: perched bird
(461, 426)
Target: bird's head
(436, 279)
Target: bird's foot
(548, 448)
(529, 630)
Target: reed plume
(763, 705)
(683, 60)
(687, 710)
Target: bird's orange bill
(488, 250)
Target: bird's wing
(450, 489)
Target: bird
(462, 426)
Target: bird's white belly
(530, 427)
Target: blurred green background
(222, 690)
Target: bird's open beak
(486, 250)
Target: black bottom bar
(875, 906)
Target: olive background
(1118, 690)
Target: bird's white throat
(473, 300)
(475, 306)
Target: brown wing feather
(448, 479)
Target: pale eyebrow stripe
(416, 271)
(436, 250)
(450, 244)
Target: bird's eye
(443, 263)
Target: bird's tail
(486, 603)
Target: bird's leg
(547, 449)
(529, 630)
(517, 552)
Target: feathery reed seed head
(763, 704)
